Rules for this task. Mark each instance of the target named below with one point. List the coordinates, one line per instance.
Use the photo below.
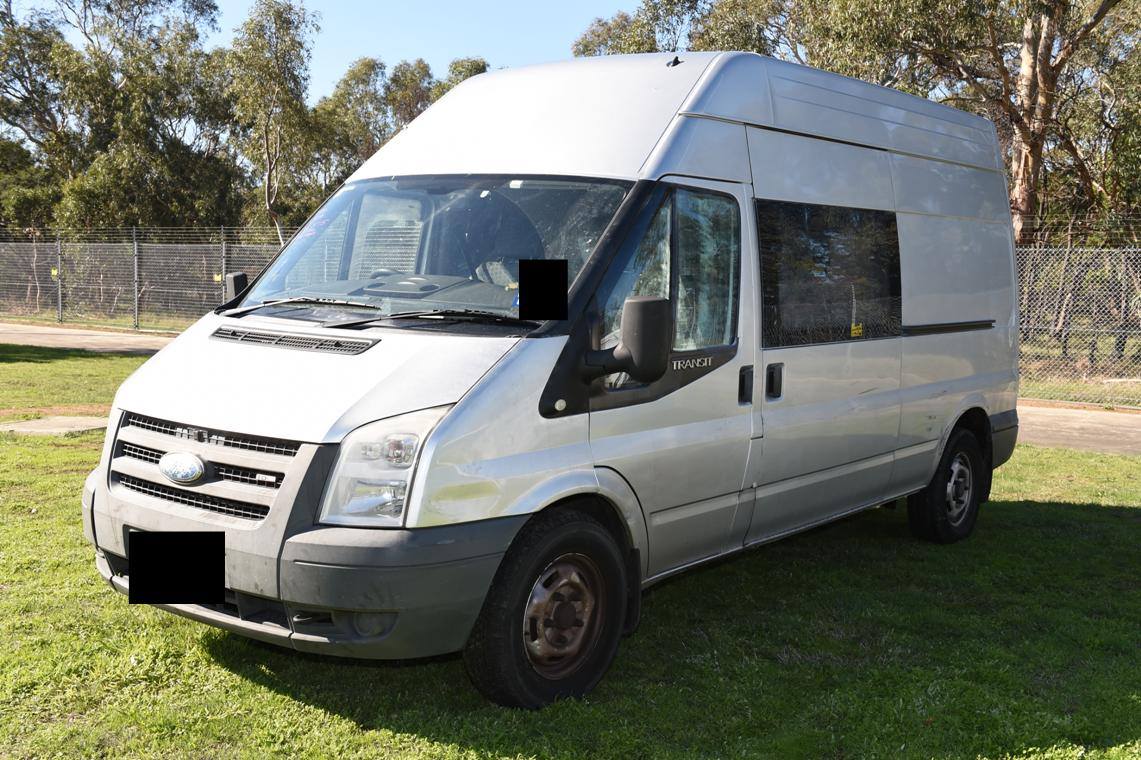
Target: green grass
(850, 641)
(1046, 375)
(1084, 391)
(152, 321)
(853, 640)
(36, 381)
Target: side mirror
(643, 351)
(236, 282)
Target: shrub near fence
(1080, 306)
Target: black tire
(517, 660)
(947, 509)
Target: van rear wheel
(947, 509)
(550, 624)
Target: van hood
(304, 395)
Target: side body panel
(496, 456)
(829, 439)
(956, 262)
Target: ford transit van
(789, 297)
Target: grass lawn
(853, 640)
(1108, 394)
(38, 381)
(124, 320)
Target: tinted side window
(828, 273)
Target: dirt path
(1088, 429)
(77, 338)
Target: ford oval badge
(181, 467)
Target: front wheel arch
(610, 516)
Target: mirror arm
(606, 361)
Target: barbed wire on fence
(1079, 291)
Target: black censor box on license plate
(543, 289)
(177, 567)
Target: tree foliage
(114, 113)
(1058, 77)
(458, 70)
(269, 77)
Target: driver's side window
(647, 273)
(691, 254)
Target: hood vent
(291, 340)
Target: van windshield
(425, 244)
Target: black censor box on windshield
(543, 289)
(177, 567)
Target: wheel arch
(612, 502)
(975, 420)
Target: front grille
(190, 498)
(217, 437)
(135, 451)
(246, 475)
(346, 346)
(229, 472)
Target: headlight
(370, 482)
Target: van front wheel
(553, 616)
(946, 510)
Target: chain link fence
(144, 278)
(1080, 310)
(1079, 293)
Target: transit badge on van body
(182, 467)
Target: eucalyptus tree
(118, 104)
(349, 124)
(459, 70)
(408, 91)
(1022, 63)
(1034, 66)
(269, 79)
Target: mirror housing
(643, 350)
(236, 283)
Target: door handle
(745, 385)
(774, 381)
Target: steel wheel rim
(563, 615)
(959, 488)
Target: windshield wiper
(471, 315)
(299, 300)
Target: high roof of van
(609, 116)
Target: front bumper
(356, 592)
(381, 594)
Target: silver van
(763, 297)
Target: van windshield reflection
(437, 244)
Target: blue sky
(505, 32)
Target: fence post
(58, 281)
(222, 294)
(135, 258)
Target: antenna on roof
(675, 62)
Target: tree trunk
(1025, 168)
(270, 196)
(1037, 81)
